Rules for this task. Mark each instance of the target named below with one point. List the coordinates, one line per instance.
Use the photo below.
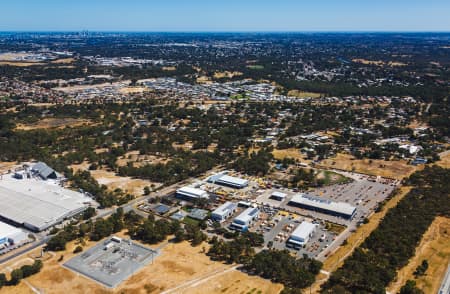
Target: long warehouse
(191, 193)
(229, 181)
(339, 209)
(37, 204)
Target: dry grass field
(113, 181)
(435, 248)
(49, 123)
(63, 61)
(445, 159)
(303, 94)
(20, 64)
(397, 169)
(133, 90)
(289, 153)
(180, 268)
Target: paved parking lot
(280, 233)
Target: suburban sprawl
(224, 163)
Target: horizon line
(225, 31)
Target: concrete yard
(109, 263)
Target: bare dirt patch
(289, 153)
(113, 181)
(397, 169)
(227, 74)
(434, 247)
(49, 123)
(235, 282)
(139, 160)
(303, 94)
(63, 61)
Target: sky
(225, 15)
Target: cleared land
(178, 265)
(113, 181)
(434, 247)
(48, 123)
(227, 74)
(303, 94)
(445, 159)
(289, 153)
(397, 169)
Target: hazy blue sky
(226, 15)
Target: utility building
(300, 236)
(244, 220)
(42, 170)
(279, 196)
(339, 209)
(224, 211)
(10, 235)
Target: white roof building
(226, 180)
(278, 195)
(302, 233)
(246, 217)
(38, 204)
(340, 209)
(11, 234)
(192, 193)
(224, 211)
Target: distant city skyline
(226, 16)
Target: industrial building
(339, 209)
(279, 196)
(37, 204)
(191, 193)
(228, 181)
(243, 221)
(10, 235)
(300, 236)
(42, 170)
(224, 211)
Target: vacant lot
(48, 123)
(289, 153)
(397, 169)
(303, 94)
(434, 247)
(226, 74)
(113, 181)
(180, 268)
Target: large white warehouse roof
(323, 204)
(38, 204)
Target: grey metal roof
(43, 169)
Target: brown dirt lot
(434, 247)
(303, 94)
(289, 153)
(48, 123)
(445, 160)
(113, 181)
(234, 281)
(140, 160)
(397, 169)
